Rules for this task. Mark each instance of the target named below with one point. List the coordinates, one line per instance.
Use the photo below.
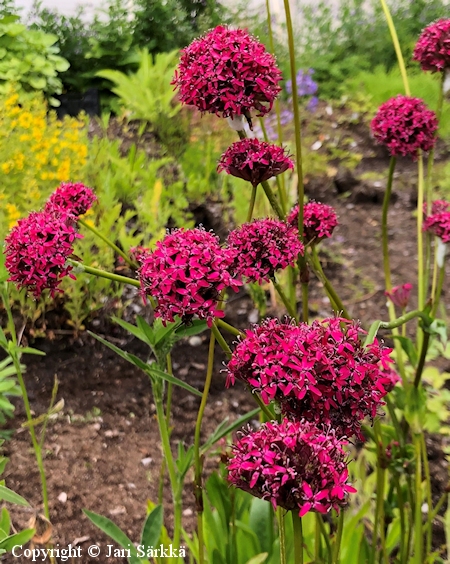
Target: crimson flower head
(438, 222)
(399, 295)
(185, 274)
(71, 199)
(36, 251)
(294, 465)
(228, 72)
(405, 125)
(254, 160)
(320, 372)
(432, 49)
(319, 221)
(262, 247)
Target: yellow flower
(25, 120)
(7, 167)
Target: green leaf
(5, 521)
(409, 348)
(11, 497)
(261, 522)
(135, 331)
(259, 558)
(157, 373)
(30, 350)
(113, 531)
(197, 326)
(152, 527)
(222, 430)
(17, 539)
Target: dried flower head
(254, 160)
(438, 222)
(432, 49)
(293, 465)
(228, 73)
(36, 252)
(186, 273)
(399, 295)
(262, 247)
(319, 221)
(71, 199)
(404, 125)
(320, 372)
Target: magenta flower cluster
(399, 295)
(438, 222)
(432, 49)
(71, 199)
(37, 248)
(294, 465)
(262, 247)
(185, 274)
(319, 221)
(228, 73)
(405, 125)
(320, 372)
(254, 160)
(36, 252)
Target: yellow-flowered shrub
(37, 152)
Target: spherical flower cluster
(293, 465)
(319, 221)
(432, 49)
(36, 251)
(320, 372)
(405, 125)
(186, 273)
(399, 295)
(228, 73)
(438, 222)
(71, 199)
(262, 247)
(254, 160)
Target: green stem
(168, 413)
(418, 537)
(36, 447)
(282, 532)
(251, 206)
(420, 265)
(325, 536)
(331, 292)
(401, 510)
(198, 463)
(426, 468)
(113, 246)
(171, 468)
(398, 51)
(278, 177)
(317, 543)
(229, 328)
(379, 506)
(422, 358)
(384, 225)
(435, 512)
(285, 299)
(305, 308)
(337, 544)
(104, 274)
(272, 200)
(298, 538)
(438, 292)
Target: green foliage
(29, 58)
(148, 95)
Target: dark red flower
(432, 49)
(254, 160)
(293, 465)
(319, 221)
(36, 252)
(185, 274)
(438, 222)
(399, 295)
(262, 247)
(228, 72)
(405, 125)
(71, 199)
(320, 372)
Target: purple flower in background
(305, 84)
